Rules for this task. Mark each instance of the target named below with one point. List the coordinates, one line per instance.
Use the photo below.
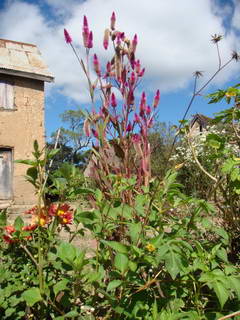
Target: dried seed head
(198, 74)
(216, 38)
(235, 56)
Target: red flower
(66, 218)
(10, 229)
(29, 227)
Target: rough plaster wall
(19, 128)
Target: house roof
(24, 60)
(201, 119)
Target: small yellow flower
(179, 166)
(60, 212)
(150, 247)
(42, 222)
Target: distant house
(198, 123)
(22, 77)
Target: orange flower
(66, 218)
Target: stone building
(22, 77)
(198, 124)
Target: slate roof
(201, 119)
(24, 60)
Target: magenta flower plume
(156, 99)
(129, 127)
(86, 128)
(134, 43)
(106, 39)
(141, 73)
(108, 67)
(136, 140)
(95, 133)
(67, 36)
(113, 21)
(85, 32)
(136, 118)
(90, 40)
(132, 79)
(148, 110)
(113, 100)
(143, 102)
(96, 65)
(138, 66)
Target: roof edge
(18, 42)
(30, 75)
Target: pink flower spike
(132, 78)
(90, 40)
(143, 102)
(85, 32)
(67, 36)
(136, 140)
(86, 128)
(96, 65)
(156, 99)
(113, 100)
(136, 118)
(138, 66)
(148, 110)
(118, 38)
(113, 21)
(142, 73)
(129, 127)
(85, 22)
(134, 43)
(95, 133)
(108, 67)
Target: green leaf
(114, 284)
(60, 286)
(132, 266)
(155, 311)
(66, 252)
(173, 263)
(28, 162)
(121, 262)
(71, 314)
(3, 218)
(221, 292)
(222, 254)
(117, 246)
(235, 284)
(32, 296)
(52, 153)
(18, 223)
(134, 231)
(9, 312)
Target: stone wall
(20, 127)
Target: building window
(6, 95)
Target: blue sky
(174, 41)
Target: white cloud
(236, 15)
(174, 37)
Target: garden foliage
(158, 253)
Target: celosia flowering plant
(155, 253)
(119, 121)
